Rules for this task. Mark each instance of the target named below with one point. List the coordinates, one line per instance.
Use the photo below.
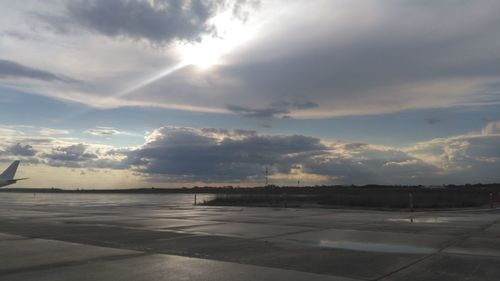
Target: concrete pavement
(156, 242)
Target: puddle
(422, 220)
(376, 247)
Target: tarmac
(157, 242)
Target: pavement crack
(48, 266)
(440, 250)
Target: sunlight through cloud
(231, 32)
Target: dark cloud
(355, 145)
(242, 8)
(258, 112)
(21, 150)
(159, 21)
(181, 154)
(216, 155)
(294, 104)
(275, 109)
(13, 69)
(73, 156)
(83, 156)
(186, 154)
(432, 120)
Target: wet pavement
(151, 239)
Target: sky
(173, 93)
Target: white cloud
(48, 132)
(104, 131)
(491, 128)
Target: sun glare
(230, 33)
(204, 54)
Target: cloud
(462, 159)
(10, 132)
(275, 109)
(48, 132)
(374, 65)
(364, 67)
(159, 22)
(297, 104)
(350, 58)
(80, 155)
(68, 156)
(188, 154)
(11, 69)
(257, 113)
(355, 163)
(242, 8)
(218, 155)
(104, 131)
(491, 128)
(432, 120)
(20, 150)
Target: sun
(230, 33)
(204, 54)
